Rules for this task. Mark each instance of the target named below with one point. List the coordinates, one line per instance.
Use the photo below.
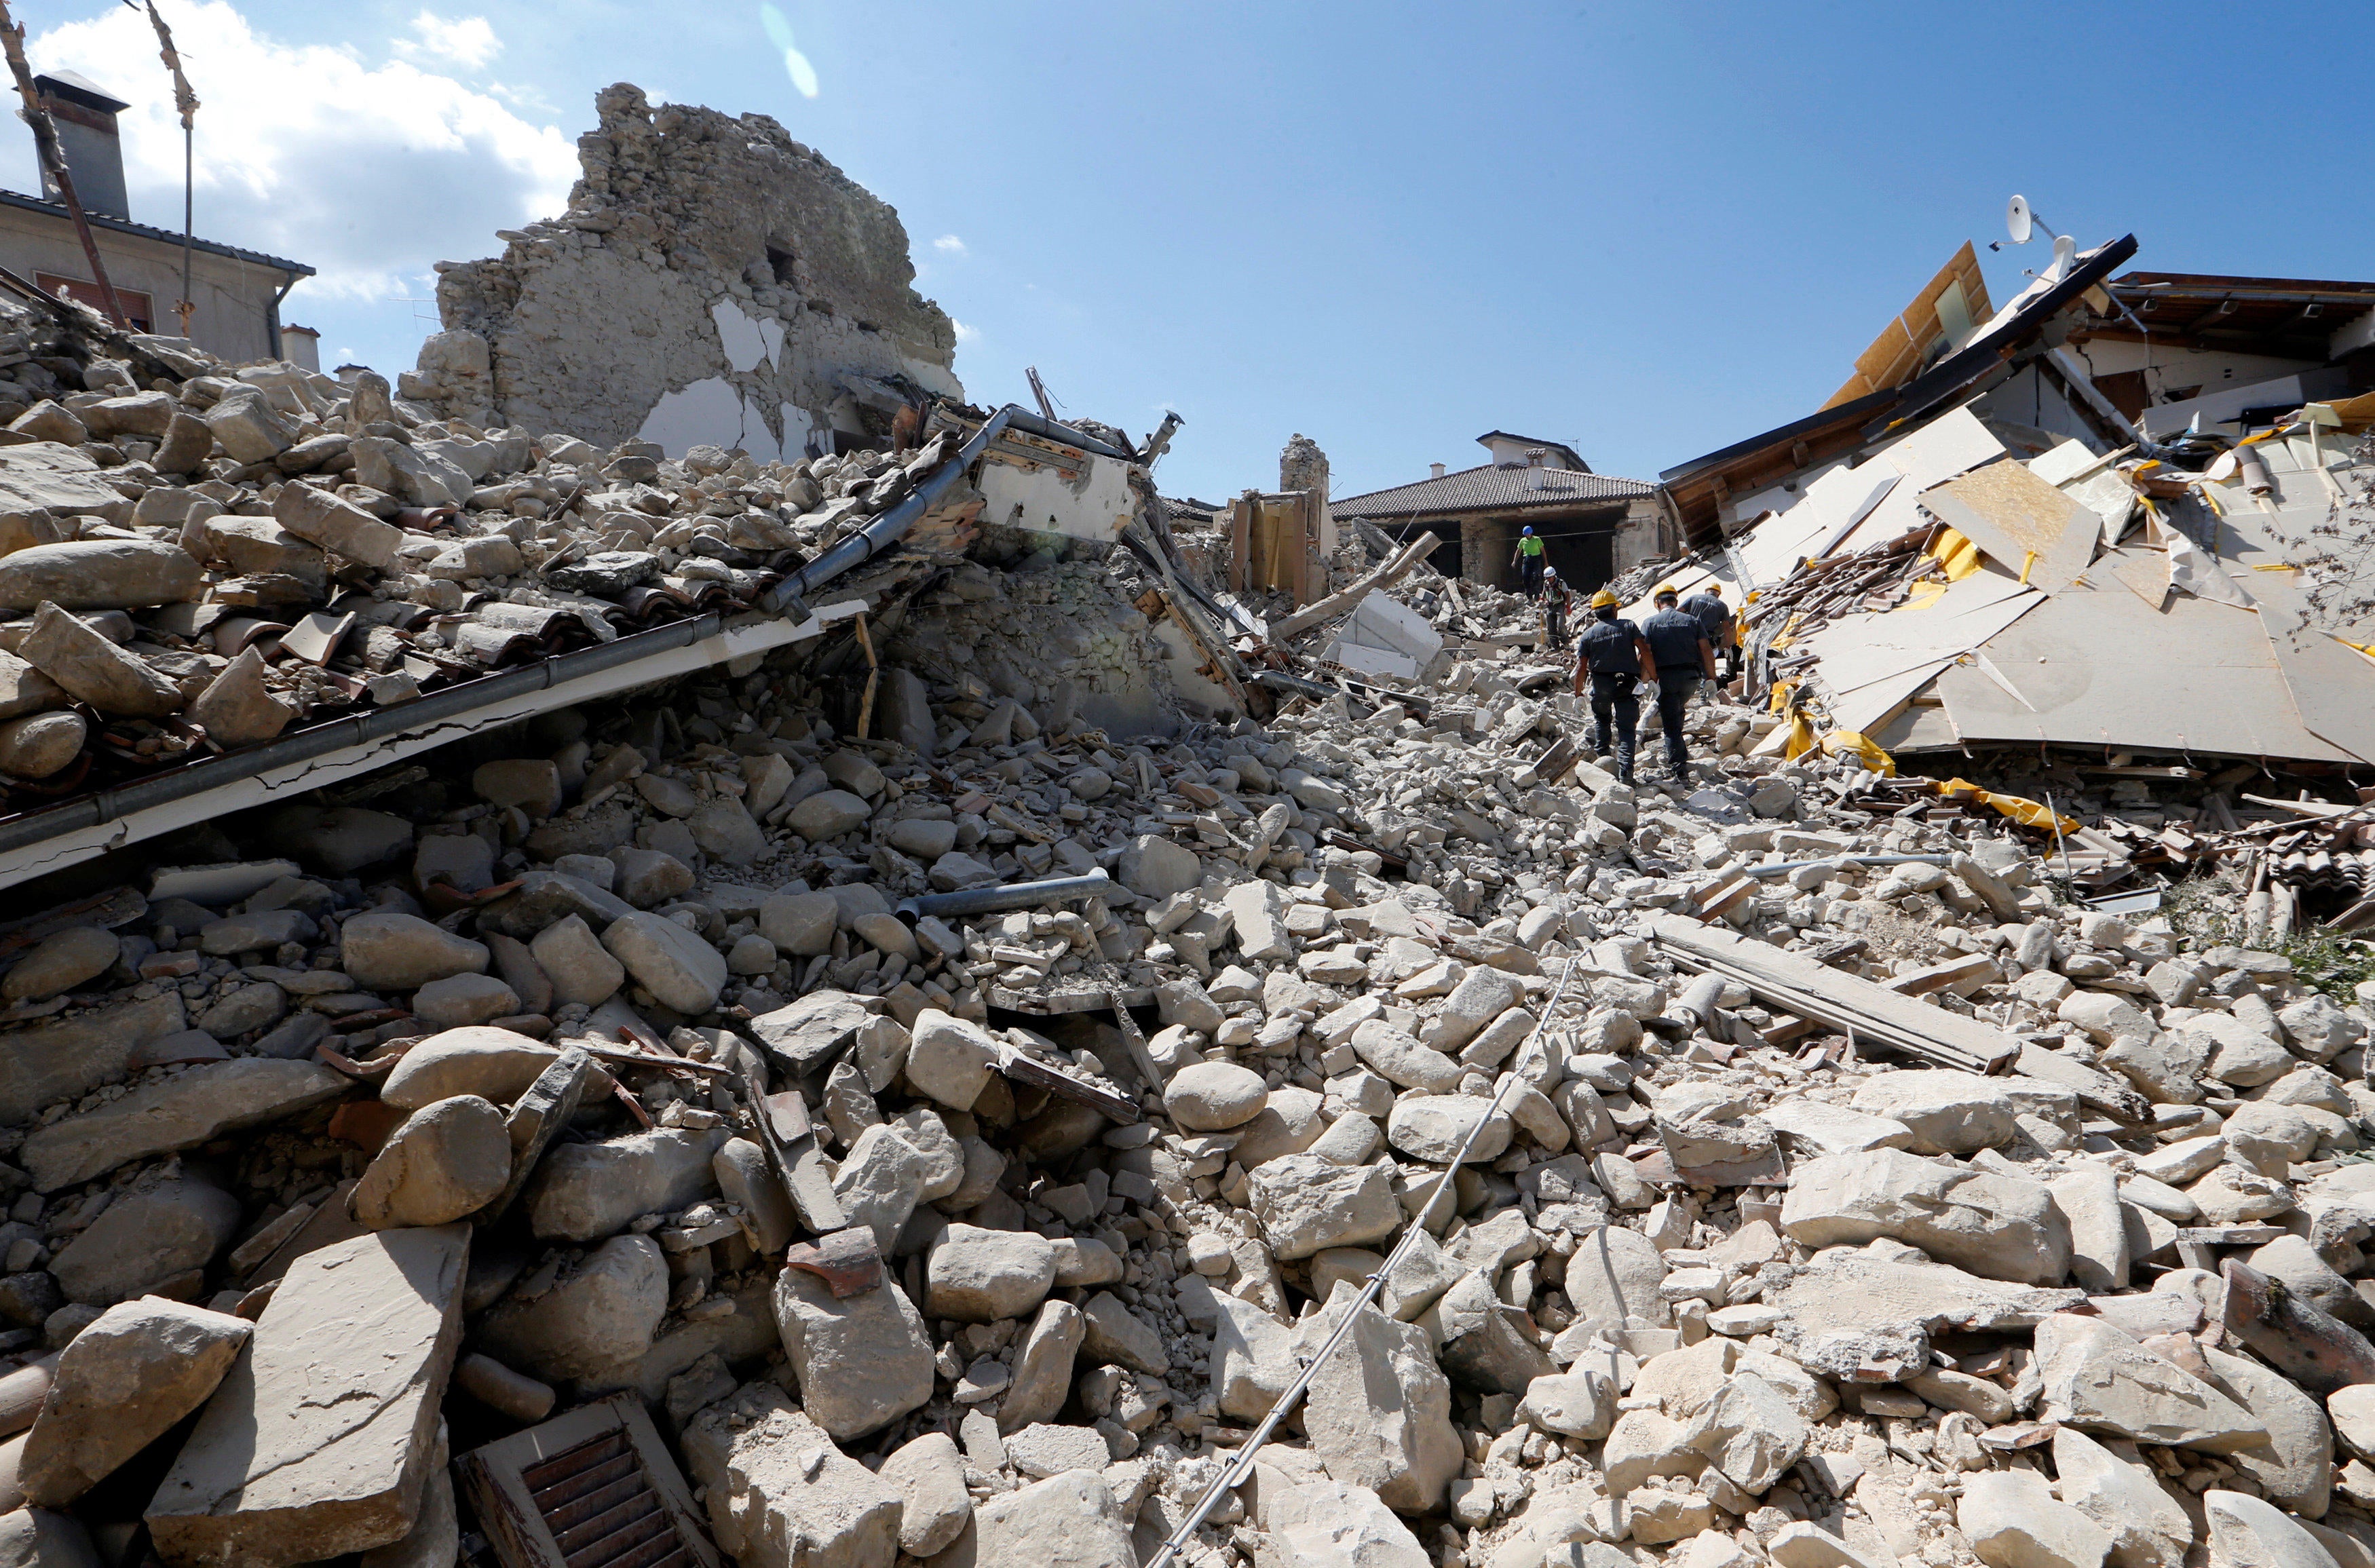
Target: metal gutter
(886, 528)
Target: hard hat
(1603, 600)
(1665, 590)
(1527, 530)
(1550, 571)
(1716, 588)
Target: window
(135, 304)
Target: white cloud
(367, 172)
(965, 334)
(949, 246)
(468, 41)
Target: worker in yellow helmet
(1613, 656)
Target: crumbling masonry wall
(711, 281)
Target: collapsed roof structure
(2119, 514)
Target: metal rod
(1230, 1479)
(54, 160)
(2055, 812)
(186, 101)
(1012, 895)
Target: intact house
(1593, 526)
(237, 292)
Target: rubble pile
(195, 558)
(601, 1061)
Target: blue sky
(1645, 228)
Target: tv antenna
(2022, 222)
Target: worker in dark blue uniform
(1684, 657)
(1613, 655)
(1707, 606)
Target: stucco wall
(233, 297)
(713, 281)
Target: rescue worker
(1529, 560)
(1613, 655)
(1683, 656)
(1722, 630)
(1556, 601)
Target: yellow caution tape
(1849, 742)
(2027, 813)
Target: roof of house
(1573, 456)
(1492, 489)
(164, 236)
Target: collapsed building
(574, 1003)
(713, 282)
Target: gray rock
(201, 1104)
(586, 1191)
(1478, 1345)
(2100, 1380)
(977, 1275)
(61, 961)
(281, 1467)
(1043, 1368)
(1307, 1204)
(828, 814)
(808, 1035)
(1119, 1336)
(1398, 1057)
(2012, 1521)
(1327, 1524)
(1947, 1113)
(799, 924)
(1750, 1432)
(2119, 1493)
(1378, 1413)
(725, 832)
(949, 1059)
(781, 1494)
(38, 745)
(68, 1059)
(243, 1009)
(862, 1360)
(2294, 1467)
(580, 967)
(1070, 1519)
(1253, 1359)
(1155, 867)
(592, 1325)
(1433, 1128)
(1852, 1314)
(146, 1237)
(685, 972)
(493, 1064)
(1482, 994)
(239, 934)
(1214, 1096)
(89, 666)
(747, 1180)
(1043, 1450)
(1999, 1226)
(387, 951)
(85, 574)
(879, 1183)
(238, 707)
(460, 1000)
(2247, 1532)
(645, 878)
(443, 1163)
(123, 1382)
(1572, 1404)
(930, 1473)
(1614, 1276)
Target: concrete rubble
(689, 1045)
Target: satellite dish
(2019, 220)
(2065, 255)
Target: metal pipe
(1241, 1464)
(1012, 895)
(886, 529)
(1775, 870)
(1052, 430)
